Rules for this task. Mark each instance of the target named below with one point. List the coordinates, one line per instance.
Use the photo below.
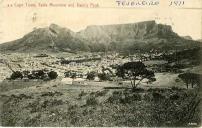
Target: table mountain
(142, 36)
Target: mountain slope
(138, 36)
(50, 39)
(121, 37)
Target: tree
(107, 71)
(16, 75)
(135, 72)
(73, 76)
(52, 75)
(91, 75)
(104, 76)
(25, 73)
(67, 74)
(40, 74)
(190, 78)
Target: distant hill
(141, 36)
(199, 40)
(50, 39)
(187, 37)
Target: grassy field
(57, 104)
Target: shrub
(101, 93)
(157, 96)
(40, 74)
(51, 103)
(91, 101)
(176, 88)
(117, 93)
(148, 97)
(177, 80)
(91, 76)
(73, 76)
(114, 99)
(52, 75)
(137, 96)
(82, 94)
(52, 93)
(104, 76)
(138, 90)
(174, 97)
(16, 75)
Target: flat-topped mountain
(124, 32)
(120, 37)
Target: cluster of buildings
(80, 63)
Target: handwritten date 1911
(177, 3)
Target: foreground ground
(57, 104)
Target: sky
(15, 22)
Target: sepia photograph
(107, 63)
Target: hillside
(121, 37)
(50, 39)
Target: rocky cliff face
(122, 37)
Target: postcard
(100, 63)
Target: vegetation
(111, 101)
(91, 75)
(70, 74)
(104, 76)
(52, 75)
(73, 76)
(16, 75)
(35, 74)
(190, 79)
(135, 72)
(145, 108)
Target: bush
(148, 97)
(91, 76)
(157, 96)
(174, 97)
(40, 74)
(52, 75)
(16, 75)
(73, 75)
(176, 88)
(136, 96)
(101, 93)
(82, 94)
(51, 103)
(52, 93)
(104, 76)
(91, 101)
(114, 99)
(138, 90)
(67, 74)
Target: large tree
(190, 78)
(135, 72)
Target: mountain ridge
(144, 35)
